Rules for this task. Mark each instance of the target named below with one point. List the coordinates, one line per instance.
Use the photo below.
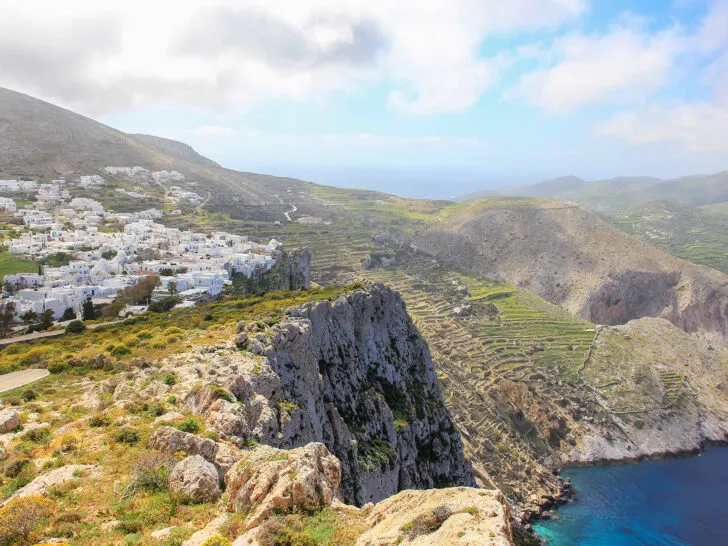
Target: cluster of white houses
(110, 251)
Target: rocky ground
(285, 433)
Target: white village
(86, 253)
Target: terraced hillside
(692, 233)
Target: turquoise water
(665, 503)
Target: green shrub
(145, 334)
(28, 395)
(130, 526)
(172, 400)
(170, 379)
(38, 435)
(222, 394)
(127, 436)
(99, 420)
(75, 327)
(120, 350)
(190, 425)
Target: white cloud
(232, 54)
(624, 64)
(699, 127)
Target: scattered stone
(162, 534)
(210, 530)
(9, 420)
(195, 479)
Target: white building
(8, 204)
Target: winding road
(10, 381)
(294, 208)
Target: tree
(29, 317)
(172, 287)
(46, 319)
(109, 254)
(68, 314)
(7, 316)
(89, 313)
(75, 327)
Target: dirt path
(10, 381)
(294, 208)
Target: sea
(666, 503)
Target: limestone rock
(195, 479)
(171, 440)
(162, 534)
(435, 517)
(40, 484)
(169, 417)
(210, 530)
(269, 479)
(9, 420)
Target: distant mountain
(617, 195)
(176, 149)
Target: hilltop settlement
(86, 253)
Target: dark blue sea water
(681, 501)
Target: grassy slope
(689, 233)
(10, 264)
(86, 509)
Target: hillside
(176, 149)
(571, 257)
(696, 234)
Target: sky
(426, 98)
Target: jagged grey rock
(269, 479)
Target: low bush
(130, 526)
(127, 436)
(100, 420)
(190, 425)
(21, 516)
(217, 540)
(28, 395)
(75, 327)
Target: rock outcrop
(293, 270)
(436, 517)
(269, 479)
(356, 375)
(40, 485)
(194, 479)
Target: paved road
(53, 333)
(30, 337)
(10, 381)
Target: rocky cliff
(293, 270)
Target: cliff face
(365, 384)
(293, 270)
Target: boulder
(9, 420)
(171, 440)
(270, 479)
(40, 484)
(195, 479)
(169, 417)
(458, 515)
